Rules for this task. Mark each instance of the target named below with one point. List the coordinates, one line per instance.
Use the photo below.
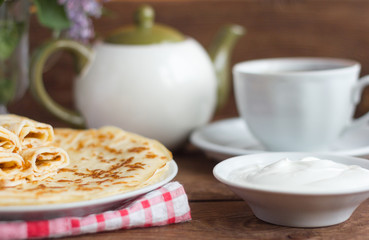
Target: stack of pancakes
(46, 166)
(25, 151)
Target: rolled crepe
(11, 169)
(30, 133)
(44, 161)
(9, 142)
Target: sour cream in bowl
(298, 189)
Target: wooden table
(337, 30)
(216, 212)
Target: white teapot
(147, 78)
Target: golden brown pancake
(27, 140)
(103, 162)
(11, 169)
(30, 133)
(44, 162)
(9, 142)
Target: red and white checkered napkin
(165, 205)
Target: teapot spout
(220, 53)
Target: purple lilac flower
(79, 13)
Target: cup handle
(357, 91)
(39, 59)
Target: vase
(14, 21)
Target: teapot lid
(144, 31)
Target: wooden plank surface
(196, 175)
(214, 218)
(276, 28)
(218, 214)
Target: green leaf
(7, 90)
(10, 34)
(51, 14)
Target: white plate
(231, 137)
(83, 208)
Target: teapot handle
(39, 59)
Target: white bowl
(294, 208)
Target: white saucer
(231, 137)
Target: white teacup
(298, 104)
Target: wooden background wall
(275, 28)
